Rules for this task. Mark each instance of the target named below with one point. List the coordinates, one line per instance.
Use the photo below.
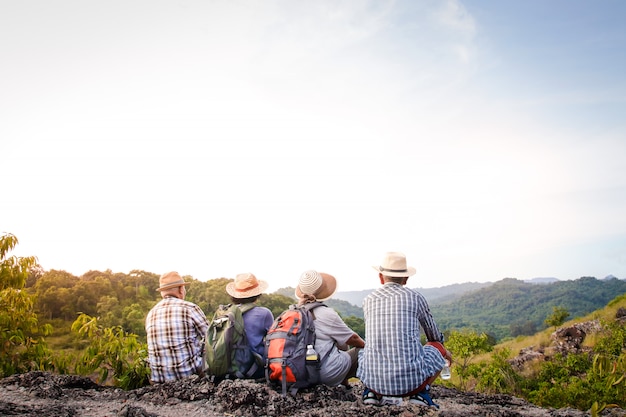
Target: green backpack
(227, 353)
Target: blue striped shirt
(394, 362)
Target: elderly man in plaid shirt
(394, 364)
(175, 330)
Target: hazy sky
(484, 139)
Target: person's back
(175, 331)
(333, 336)
(246, 288)
(257, 322)
(394, 356)
(394, 363)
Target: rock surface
(45, 395)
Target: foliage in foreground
(464, 346)
(586, 381)
(22, 346)
(111, 349)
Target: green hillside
(580, 363)
(511, 307)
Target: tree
(464, 346)
(22, 347)
(54, 294)
(357, 324)
(275, 302)
(13, 270)
(208, 295)
(558, 316)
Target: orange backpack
(286, 345)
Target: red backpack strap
(439, 347)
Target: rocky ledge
(45, 395)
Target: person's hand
(448, 356)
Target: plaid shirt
(394, 362)
(175, 330)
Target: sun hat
(319, 284)
(394, 265)
(246, 285)
(171, 280)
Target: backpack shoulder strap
(221, 311)
(312, 306)
(246, 307)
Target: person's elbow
(356, 341)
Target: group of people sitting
(391, 362)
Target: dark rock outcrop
(49, 395)
(570, 339)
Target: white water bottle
(311, 354)
(445, 372)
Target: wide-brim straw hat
(171, 280)
(319, 284)
(246, 285)
(394, 265)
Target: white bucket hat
(394, 265)
(318, 284)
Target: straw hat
(319, 284)
(171, 280)
(394, 265)
(246, 285)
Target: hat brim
(409, 272)
(328, 288)
(258, 290)
(172, 285)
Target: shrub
(498, 376)
(112, 349)
(22, 346)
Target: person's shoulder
(412, 291)
(324, 311)
(377, 293)
(386, 289)
(158, 304)
(394, 288)
(262, 310)
(191, 305)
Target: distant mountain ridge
(448, 292)
(445, 293)
(513, 307)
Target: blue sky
(483, 139)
